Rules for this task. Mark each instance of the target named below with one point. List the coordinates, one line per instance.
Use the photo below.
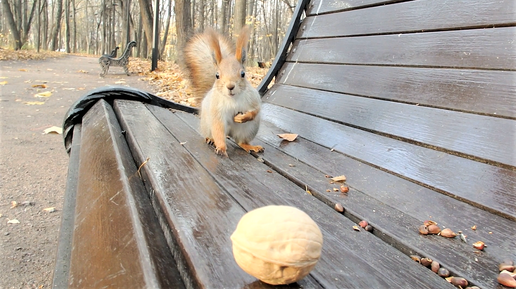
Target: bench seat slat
(451, 174)
(477, 48)
(201, 224)
(255, 187)
(396, 207)
(412, 16)
(477, 91)
(468, 134)
(116, 239)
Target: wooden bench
(413, 101)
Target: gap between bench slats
(484, 185)
(199, 212)
(475, 136)
(116, 240)
(323, 6)
(410, 16)
(397, 207)
(478, 48)
(252, 186)
(477, 91)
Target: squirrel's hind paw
(250, 148)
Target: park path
(33, 165)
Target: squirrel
(230, 106)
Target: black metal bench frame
(422, 123)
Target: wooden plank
(467, 134)
(479, 91)
(478, 183)
(64, 246)
(477, 48)
(200, 215)
(396, 207)
(247, 180)
(413, 16)
(321, 6)
(116, 240)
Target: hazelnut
(369, 228)
(443, 272)
(435, 266)
(428, 223)
(426, 262)
(448, 233)
(506, 265)
(423, 230)
(459, 281)
(506, 279)
(434, 229)
(344, 189)
(339, 208)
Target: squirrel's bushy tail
(200, 54)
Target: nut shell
(277, 244)
(506, 279)
(434, 229)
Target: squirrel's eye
(242, 73)
(217, 75)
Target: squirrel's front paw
(240, 118)
(221, 151)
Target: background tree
(19, 22)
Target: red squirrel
(230, 105)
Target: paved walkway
(33, 165)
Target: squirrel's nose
(230, 86)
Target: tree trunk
(239, 16)
(147, 20)
(167, 25)
(67, 26)
(57, 28)
(12, 24)
(183, 25)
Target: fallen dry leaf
(3, 83)
(50, 210)
(339, 178)
(12, 221)
(288, 136)
(54, 130)
(22, 69)
(39, 85)
(120, 82)
(34, 102)
(43, 94)
(82, 71)
(14, 204)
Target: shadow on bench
(413, 101)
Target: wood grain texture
(248, 182)
(322, 6)
(479, 91)
(476, 48)
(116, 241)
(65, 243)
(413, 16)
(396, 207)
(469, 134)
(200, 213)
(479, 183)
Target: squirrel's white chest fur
(225, 108)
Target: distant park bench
(413, 101)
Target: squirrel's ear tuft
(215, 45)
(241, 44)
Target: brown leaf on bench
(288, 136)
